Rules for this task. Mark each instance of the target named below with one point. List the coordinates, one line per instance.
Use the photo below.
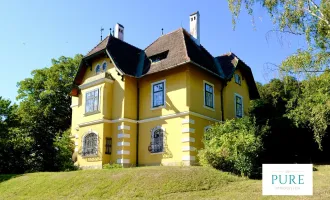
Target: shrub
(233, 146)
(111, 166)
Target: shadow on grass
(6, 177)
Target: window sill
(91, 113)
(159, 107)
(209, 108)
(157, 153)
(90, 156)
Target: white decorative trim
(188, 148)
(188, 130)
(188, 121)
(123, 135)
(123, 161)
(124, 127)
(74, 105)
(152, 96)
(187, 158)
(123, 152)
(121, 144)
(237, 95)
(76, 149)
(96, 82)
(76, 143)
(188, 139)
(91, 123)
(206, 82)
(76, 136)
(148, 119)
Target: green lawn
(145, 183)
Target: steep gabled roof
(168, 51)
(229, 63)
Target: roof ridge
(160, 37)
(124, 42)
(98, 45)
(184, 44)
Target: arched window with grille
(157, 140)
(90, 144)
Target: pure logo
(287, 179)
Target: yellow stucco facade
(126, 115)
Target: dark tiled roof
(100, 46)
(173, 43)
(125, 56)
(229, 63)
(173, 49)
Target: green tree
(233, 146)
(311, 19)
(45, 110)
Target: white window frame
(237, 95)
(152, 94)
(97, 144)
(99, 99)
(154, 129)
(105, 68)
(204, 94)
(207, 127)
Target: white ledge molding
(124, 135)
(187, 158)
(123, 161)
(188, 139)
(124, 127)
(97, 79)
(149, 119)
(123, 152)
(188, 148)
(188, 130)
(188, 121)
(121, 144)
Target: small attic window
(98, 69)
(158, 57)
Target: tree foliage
(233, 146)
(34, 135)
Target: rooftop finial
(110, 33)
(162, 31)
(102, 29)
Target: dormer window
(158, 57)
(104, 66)
(98, 69)
(237, 79)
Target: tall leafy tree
(45, 109)
(312, 19)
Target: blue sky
(33, 32)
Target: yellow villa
(140, 107)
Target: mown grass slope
(144, 183)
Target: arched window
(104, 66)
(98, 69)
(157, 140)
(90, 144)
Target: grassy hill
(144, 183)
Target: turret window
(237, 79)
(104, 66)
(98, 69)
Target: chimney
(119, 31)
(194, 27)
